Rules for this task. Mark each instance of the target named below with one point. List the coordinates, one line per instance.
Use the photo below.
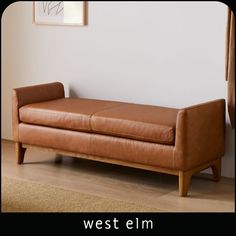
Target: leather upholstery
(48, 137)
(200, 134)
(97, 145)
(33, 94)
(153, 154)
(68, 113)
(199, 130)
(140, 122)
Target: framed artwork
(60, 13)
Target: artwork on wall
(60, 13)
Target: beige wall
(163, 53)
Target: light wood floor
(132, 185)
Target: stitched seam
(57, 127)
(48, 111)
(105, 109)
(134, 136)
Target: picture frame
(72, 13)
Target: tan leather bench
(180, 142)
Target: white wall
(163, 53)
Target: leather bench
(181, 142)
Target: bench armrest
(200, 134)
(33, 94)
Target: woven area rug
(25, 196)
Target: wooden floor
(122, 183)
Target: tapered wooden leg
(20, 153)
(216, 169)
(184, 182)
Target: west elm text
(114, 224)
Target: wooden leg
(216, 169)
(20, 153)
(184, 182)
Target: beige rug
(25, 196)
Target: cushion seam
(134, 136)
(108, 108)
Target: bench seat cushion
(139, 122)
(66, 113)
